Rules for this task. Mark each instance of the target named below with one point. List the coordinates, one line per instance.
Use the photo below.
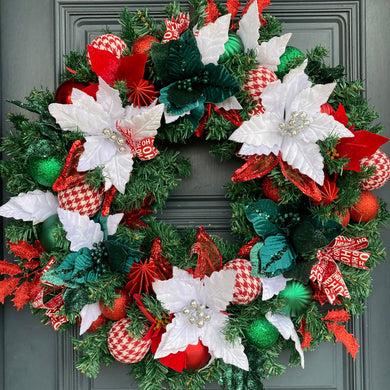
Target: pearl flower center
(115, 138)
(196, 313)
(297, 122)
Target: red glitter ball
(143, 44)
(270, 190)
(119, 309)
(366, 208)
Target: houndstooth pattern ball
(382, 172)
(247, 287)
(82, 198)
(257, 80)
(109, 42)
(122, 346)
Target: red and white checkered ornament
(382, 172)
(109, 42)
(82, 198)
(124, 347)
(257, 80)
(247, 287)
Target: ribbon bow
(327, 273)
(175, 27)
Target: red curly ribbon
(327, 274)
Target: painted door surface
(34, 36)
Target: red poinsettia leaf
(305, 333)
(261, 5)
(10, 269)
(164, 270)
(35, 287)
(232, 7)
(108, 198)
(32, 264)
(7, 287)
(132, 217)
(231, 115)
(209, 256)
(307, 185)
(69, 175)
(132, 68)
(104, 64)
(256, 167)
(246, 249)
(341, 116)
(21, 295)
(337, 316)
(24, 250)
(344, 337)
(212, 12)
(91, 90)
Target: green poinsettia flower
(286, 234)
(189, 82)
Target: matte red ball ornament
(118, 311)
(270, 190)
(257, 79)
(82, 198)
(344, 217)
(247, 287)
(382, 171)
(109, 42)
(197, 356)
(143, 44)
(64, 91)
(124, 347)
(366, 208)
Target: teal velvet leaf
(52, 278)
(330, 229)
(75, 299)
(184, 58)
(276, 256)
(119, 255)
(180, 98)
(83, 260)
(159, 54)
(255, 260)
(302, 270)
(98, 218)
(262, 214)
(221, 85)
(175, 110)
(196, 114)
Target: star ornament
(197, 307)
(111, 132)
(292, 124)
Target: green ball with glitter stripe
(233, 46)
(261, 333)
(298, 298)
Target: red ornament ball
(100, 321)
(109, 42)
(143, 44)
(64, 91)
(119, 309)
(247, 287)
(257, 80)
(382, 171)
(270, 190)
(197, 356)
(344, 217)
(124, 347)
(366, 208)
(82, 198)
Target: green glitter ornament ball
(298, 298)
(286, 59)
(261, 333)
(45, 162)
(50, 233)
(233, 46)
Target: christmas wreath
(182, 307)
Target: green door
(34, 36)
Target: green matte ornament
(261, 333)
(233, 46)
(298, 298)
(50, 233)
(45, 162)
(290, 54)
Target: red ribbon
(327, 274)
(54, 305)
(175, 27)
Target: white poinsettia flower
(197, 305)
(292, 123)
(267, 53)
(111, 131)
(82, 232)
(35, 206)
